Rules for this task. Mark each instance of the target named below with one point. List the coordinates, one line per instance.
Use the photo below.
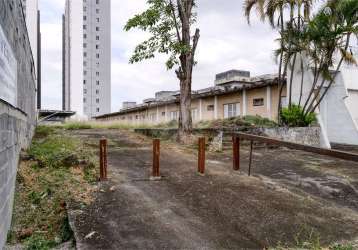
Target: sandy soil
(290, 195)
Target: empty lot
(292, 198)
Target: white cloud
(226, 42)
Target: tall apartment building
(87, 57)
(32, 18)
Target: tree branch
(175, 21)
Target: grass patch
(308, 239)
(77, 125)
(61, 169)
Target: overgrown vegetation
(294, 117)
(234, 122)
(308, 239)
(59, 170)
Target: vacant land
(293, 199)
(56, 170)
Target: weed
(54, 151)
(43, 131)
(234, 122)
(38, 242)
(60, 170)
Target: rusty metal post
(103, 159)
(156, 157)
(201, 156)
(250, 160)
(105, 163)
(236, 152)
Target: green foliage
(294, 117)
(341, 247)
(38, 242)
(162, 21)
(54, 151)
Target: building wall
(228, 99)
(17, 120)
(154, 114)
(352, 103)
(74, 57)
(97, 59)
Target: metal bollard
(156, 158)
(103, 159)
(201, 156)
(236, 152)
(250, 160)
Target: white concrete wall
(336, 112)
(352, 103)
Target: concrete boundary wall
(18, 119)
(305, 135)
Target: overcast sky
(227, 42)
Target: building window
(84, 45)
(174, 115)
(97, 11)
(84, 54)
(97, 109)
(258, 102)
(97, 82)
(85, 72)
(84, 63)
(84, 27)
(97, 19)
(84, 100)
(210, 108)
(163, 113)
(97, 38)
(97, 73)
(84, 36)
(97, 28)
(97, 1)
(84, 81)
(85, 91)
(231, 110)
(97, 91)
(97, 46)
(84, 18)
(97, 55)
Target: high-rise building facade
(32, 18)
(87, 57)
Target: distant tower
(87, 57)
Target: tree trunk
(185, 71)
(185, 120)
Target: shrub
(294, 117)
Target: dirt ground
(292, 197)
